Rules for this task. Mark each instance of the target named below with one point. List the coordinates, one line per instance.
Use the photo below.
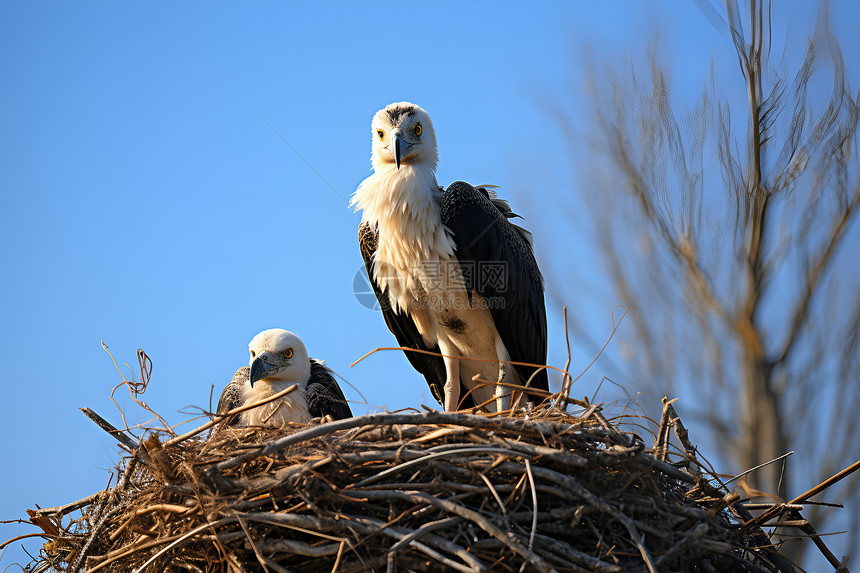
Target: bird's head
(278, 355)
(403, 134)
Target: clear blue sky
(147, 202)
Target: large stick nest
(433, 491)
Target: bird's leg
(503, 393)
(506, 375)
(452, 383)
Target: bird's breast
(291, 408)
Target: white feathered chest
(415, 254)
(291, 408)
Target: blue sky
(176, 178)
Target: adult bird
(452, 274)
(279, 360)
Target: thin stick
(661, 442)
(740, 475)
(257, 553)
(69, 507)
(615, 326)
(426, 528)
(339, 557)
(109, 428)
(25, 536)
(534, 504)
(566, 380)
(219, 417)
(192, 533)
(168, 507)
(79, 560)
(803, 497)
(495, 494)
(135, 389)
(422, 459)
(508, 538)
(273, 564)
(128, 550)
(767, 515)
(418, 350)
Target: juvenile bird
(278, 360)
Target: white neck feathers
(405, 205)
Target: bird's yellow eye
(380, 133)
(288, 353)
(418, 128)
(253, 354)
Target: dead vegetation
(544, 491)
(538, 489)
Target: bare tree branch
(747, 303)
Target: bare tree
(735, 251)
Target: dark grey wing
(498, 263)
(401, 324)
(231, 396)
(324, 394)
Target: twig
(661, 442)
(250, 539)
(429, 551)
(509, 539)
(265, 561)
(495, 494)
(184, 538)
(804, 496)
(740, 475)
(338, 557)
(430, 353)
(25, 536)
(769, 514)
(684, 437)
(422, 459)
(424, 529)
(136, 388)
(534, 504)
(219, 417)
(110, 429)
(566, 380)
(79, 560)
(69, 507)
(615, 326)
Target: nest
(402, 491)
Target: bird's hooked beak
(260, 368)
(398, 139)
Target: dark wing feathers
(324, 394)
(400, 324)
(498, 263)
(231, 396)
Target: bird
(452, 274)
(279, 360)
